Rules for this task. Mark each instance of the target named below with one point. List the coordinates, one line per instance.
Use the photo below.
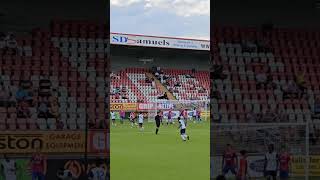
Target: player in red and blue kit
(284, 161)
(229, 161)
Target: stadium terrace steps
(162, 87)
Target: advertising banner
(160, 42)
(123, 106)
(49, 142)
(116, 106)
(155, 106)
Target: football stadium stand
(143, 85)
(266, 76)
(54, 79)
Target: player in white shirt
(194, 115)
(140, 121)
(98, 172)
(182, 127)
(9, 168)
(113, 117)
(271, 163)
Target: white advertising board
(160, 42)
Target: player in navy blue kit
(158, 122)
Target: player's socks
(183, 138)
(188, 137)
(157, 131)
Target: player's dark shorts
(140, 124)
(284, 174)
(158, 124)
(228, 168)
(271, 173)
(182, 131)
(113, 119)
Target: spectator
(161, 78)
(165, 96)
(148, 80)
(123, 95)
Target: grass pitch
(147, 156)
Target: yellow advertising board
(22, 142)
(298, 166)
(205, 113)
(123, 106)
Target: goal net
(255, 139)
(176, 106)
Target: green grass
(146, 156)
